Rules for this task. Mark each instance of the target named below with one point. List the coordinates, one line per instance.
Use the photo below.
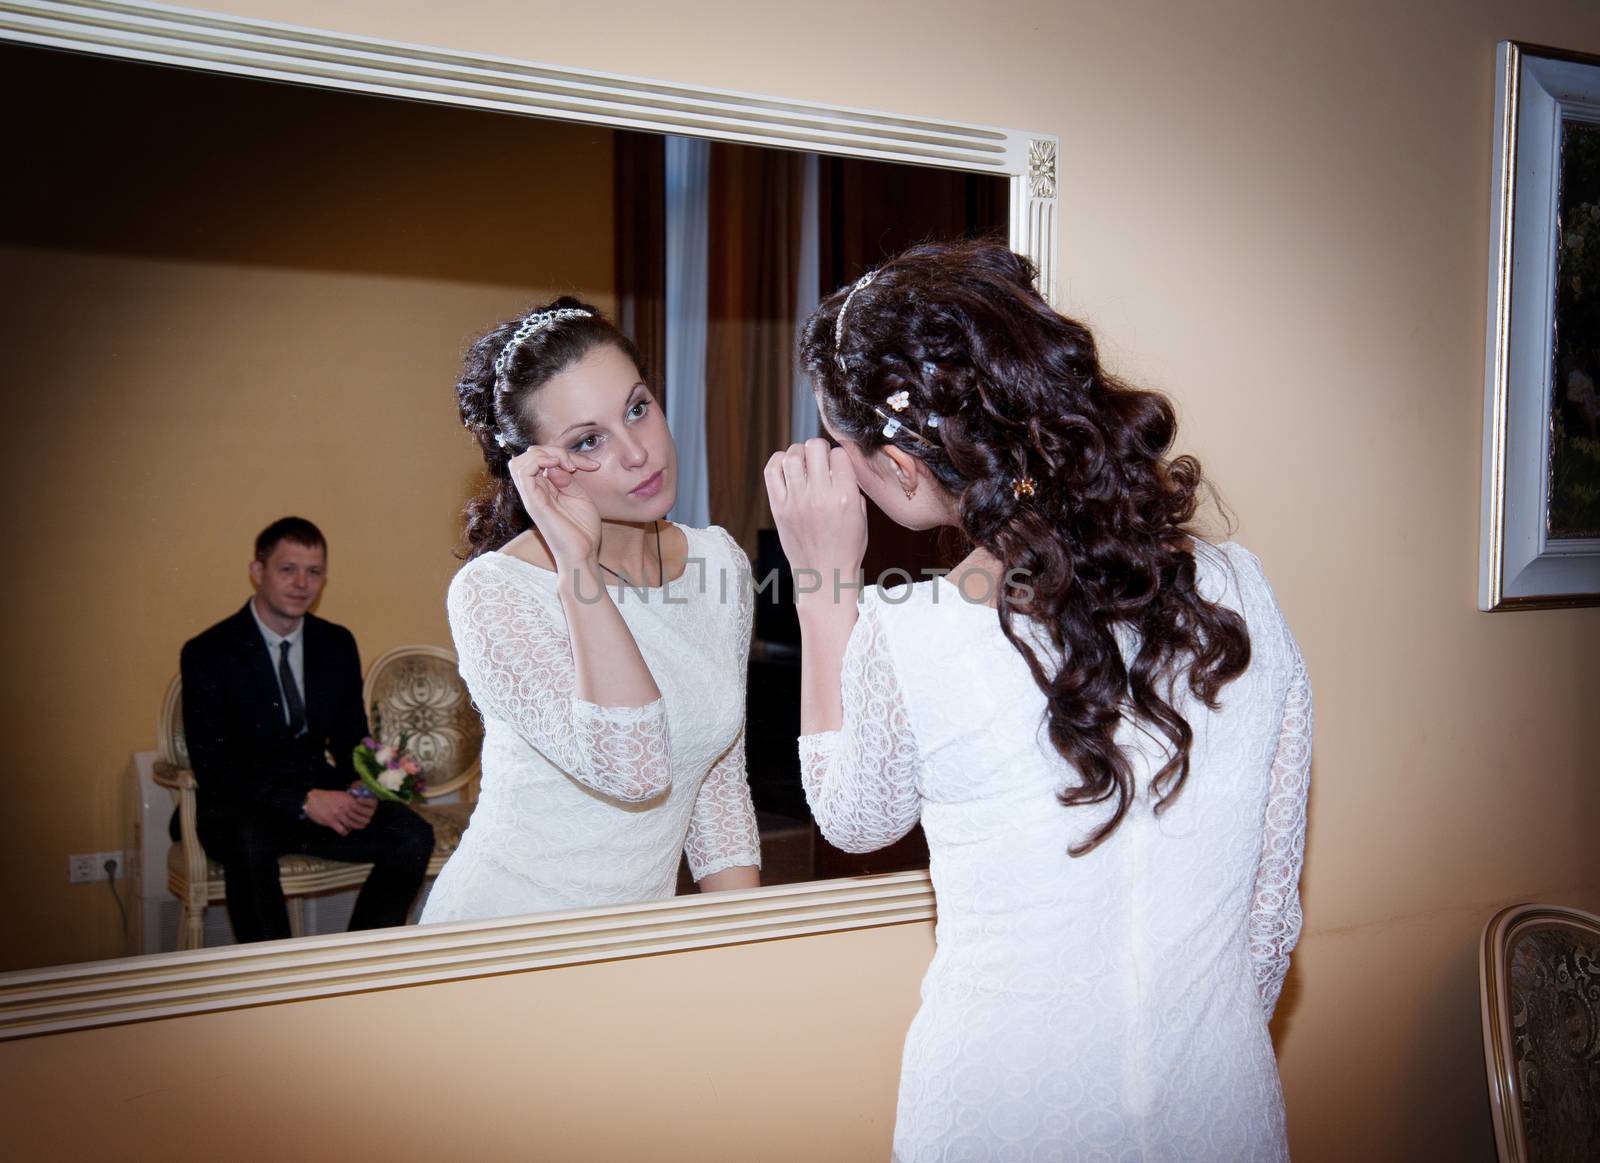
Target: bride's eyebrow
(628, 403)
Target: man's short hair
(295, 529)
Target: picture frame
(1540, 545)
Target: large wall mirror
(241, 275)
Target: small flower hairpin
(900, 401)
(1022, 487)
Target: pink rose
(410, 766)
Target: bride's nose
(632, 452)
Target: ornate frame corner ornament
(1042, 167)
(139, 988)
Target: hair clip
(1022, 488)
(900, 401)
(892, 427)
(934, 419)
(500, 439)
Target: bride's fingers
(541, 458)
(794, 469)
(840, 469)
(777, 487)
(815, 451)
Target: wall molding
(132, 989)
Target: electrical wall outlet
(89, 867)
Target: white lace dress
(1111, 1006)
(583, 805)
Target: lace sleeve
(1275, 909)
(722, 827)
(861, 781)
(517, 663)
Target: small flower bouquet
(388, 771)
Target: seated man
(272, 712)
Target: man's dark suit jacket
(244, 759)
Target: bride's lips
(652, 486)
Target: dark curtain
(641, 250)
(755, 200)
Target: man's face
(290, 581)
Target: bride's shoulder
(715, 544)
(491, 572)
(1226, 565)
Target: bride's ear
(902, 465)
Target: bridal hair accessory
(534, 322)
(838, 323)
(892, 426)
(1022, 488)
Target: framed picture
(1541, 426)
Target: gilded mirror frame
(59, 998)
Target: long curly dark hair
(1103, 541)
(492, 403)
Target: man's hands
(340, 810)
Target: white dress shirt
(296, 639)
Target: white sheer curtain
(688, 266)
(803, 421)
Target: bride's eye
(584, 445)
(638, 410)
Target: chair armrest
(181, 780)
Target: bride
(605, 646)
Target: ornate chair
(1540, 975)
(415, 689)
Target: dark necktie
(291, 693)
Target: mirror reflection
(235, 301)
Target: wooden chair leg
(297, 916)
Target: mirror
(234, 299)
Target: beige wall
(170, 390)
(1277, 211)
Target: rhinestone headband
(838, 322)
(534, 322)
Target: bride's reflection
(245, 214)
(605, 646)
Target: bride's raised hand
(547, 480)
(821, 517)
